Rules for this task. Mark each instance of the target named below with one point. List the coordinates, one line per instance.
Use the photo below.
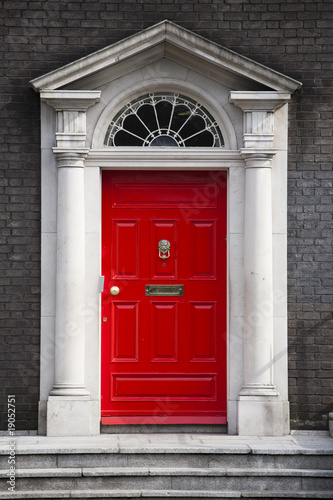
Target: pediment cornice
(166, 38)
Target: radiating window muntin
(164, 119)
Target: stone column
(258, 276)
(260, 410)
(70, 278)
(69, 408)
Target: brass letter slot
(164, 290)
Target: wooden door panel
(164, 356)
(125, 254)
(125, 317)
(164, 195)
(163, 332)
(154, 387)
(203, 250)
(164, 230)
(203, 331)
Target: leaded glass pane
(168, 120)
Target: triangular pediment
(165, 40)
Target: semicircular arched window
(164, 119)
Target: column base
(68, 390)
(259, 390)
(72, 416)
(261, 416)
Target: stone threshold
(164, 429)
(304, 444)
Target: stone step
(160, 471)
(97, 494)
(161, 466)
(164, 479)
(195, 460)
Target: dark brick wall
(293, 37)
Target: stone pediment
(165, 40)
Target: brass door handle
(114, 290)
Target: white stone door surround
(250, 104)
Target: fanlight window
(164, 120)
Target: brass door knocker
(164, 249)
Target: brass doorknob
(114, 290)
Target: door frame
(201, 159)
(234, 162)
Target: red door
(164, 332)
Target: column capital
(257, 157)
(258, 113)
(71, 107)
(70, 157)
(70, 99)
(259, 101)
